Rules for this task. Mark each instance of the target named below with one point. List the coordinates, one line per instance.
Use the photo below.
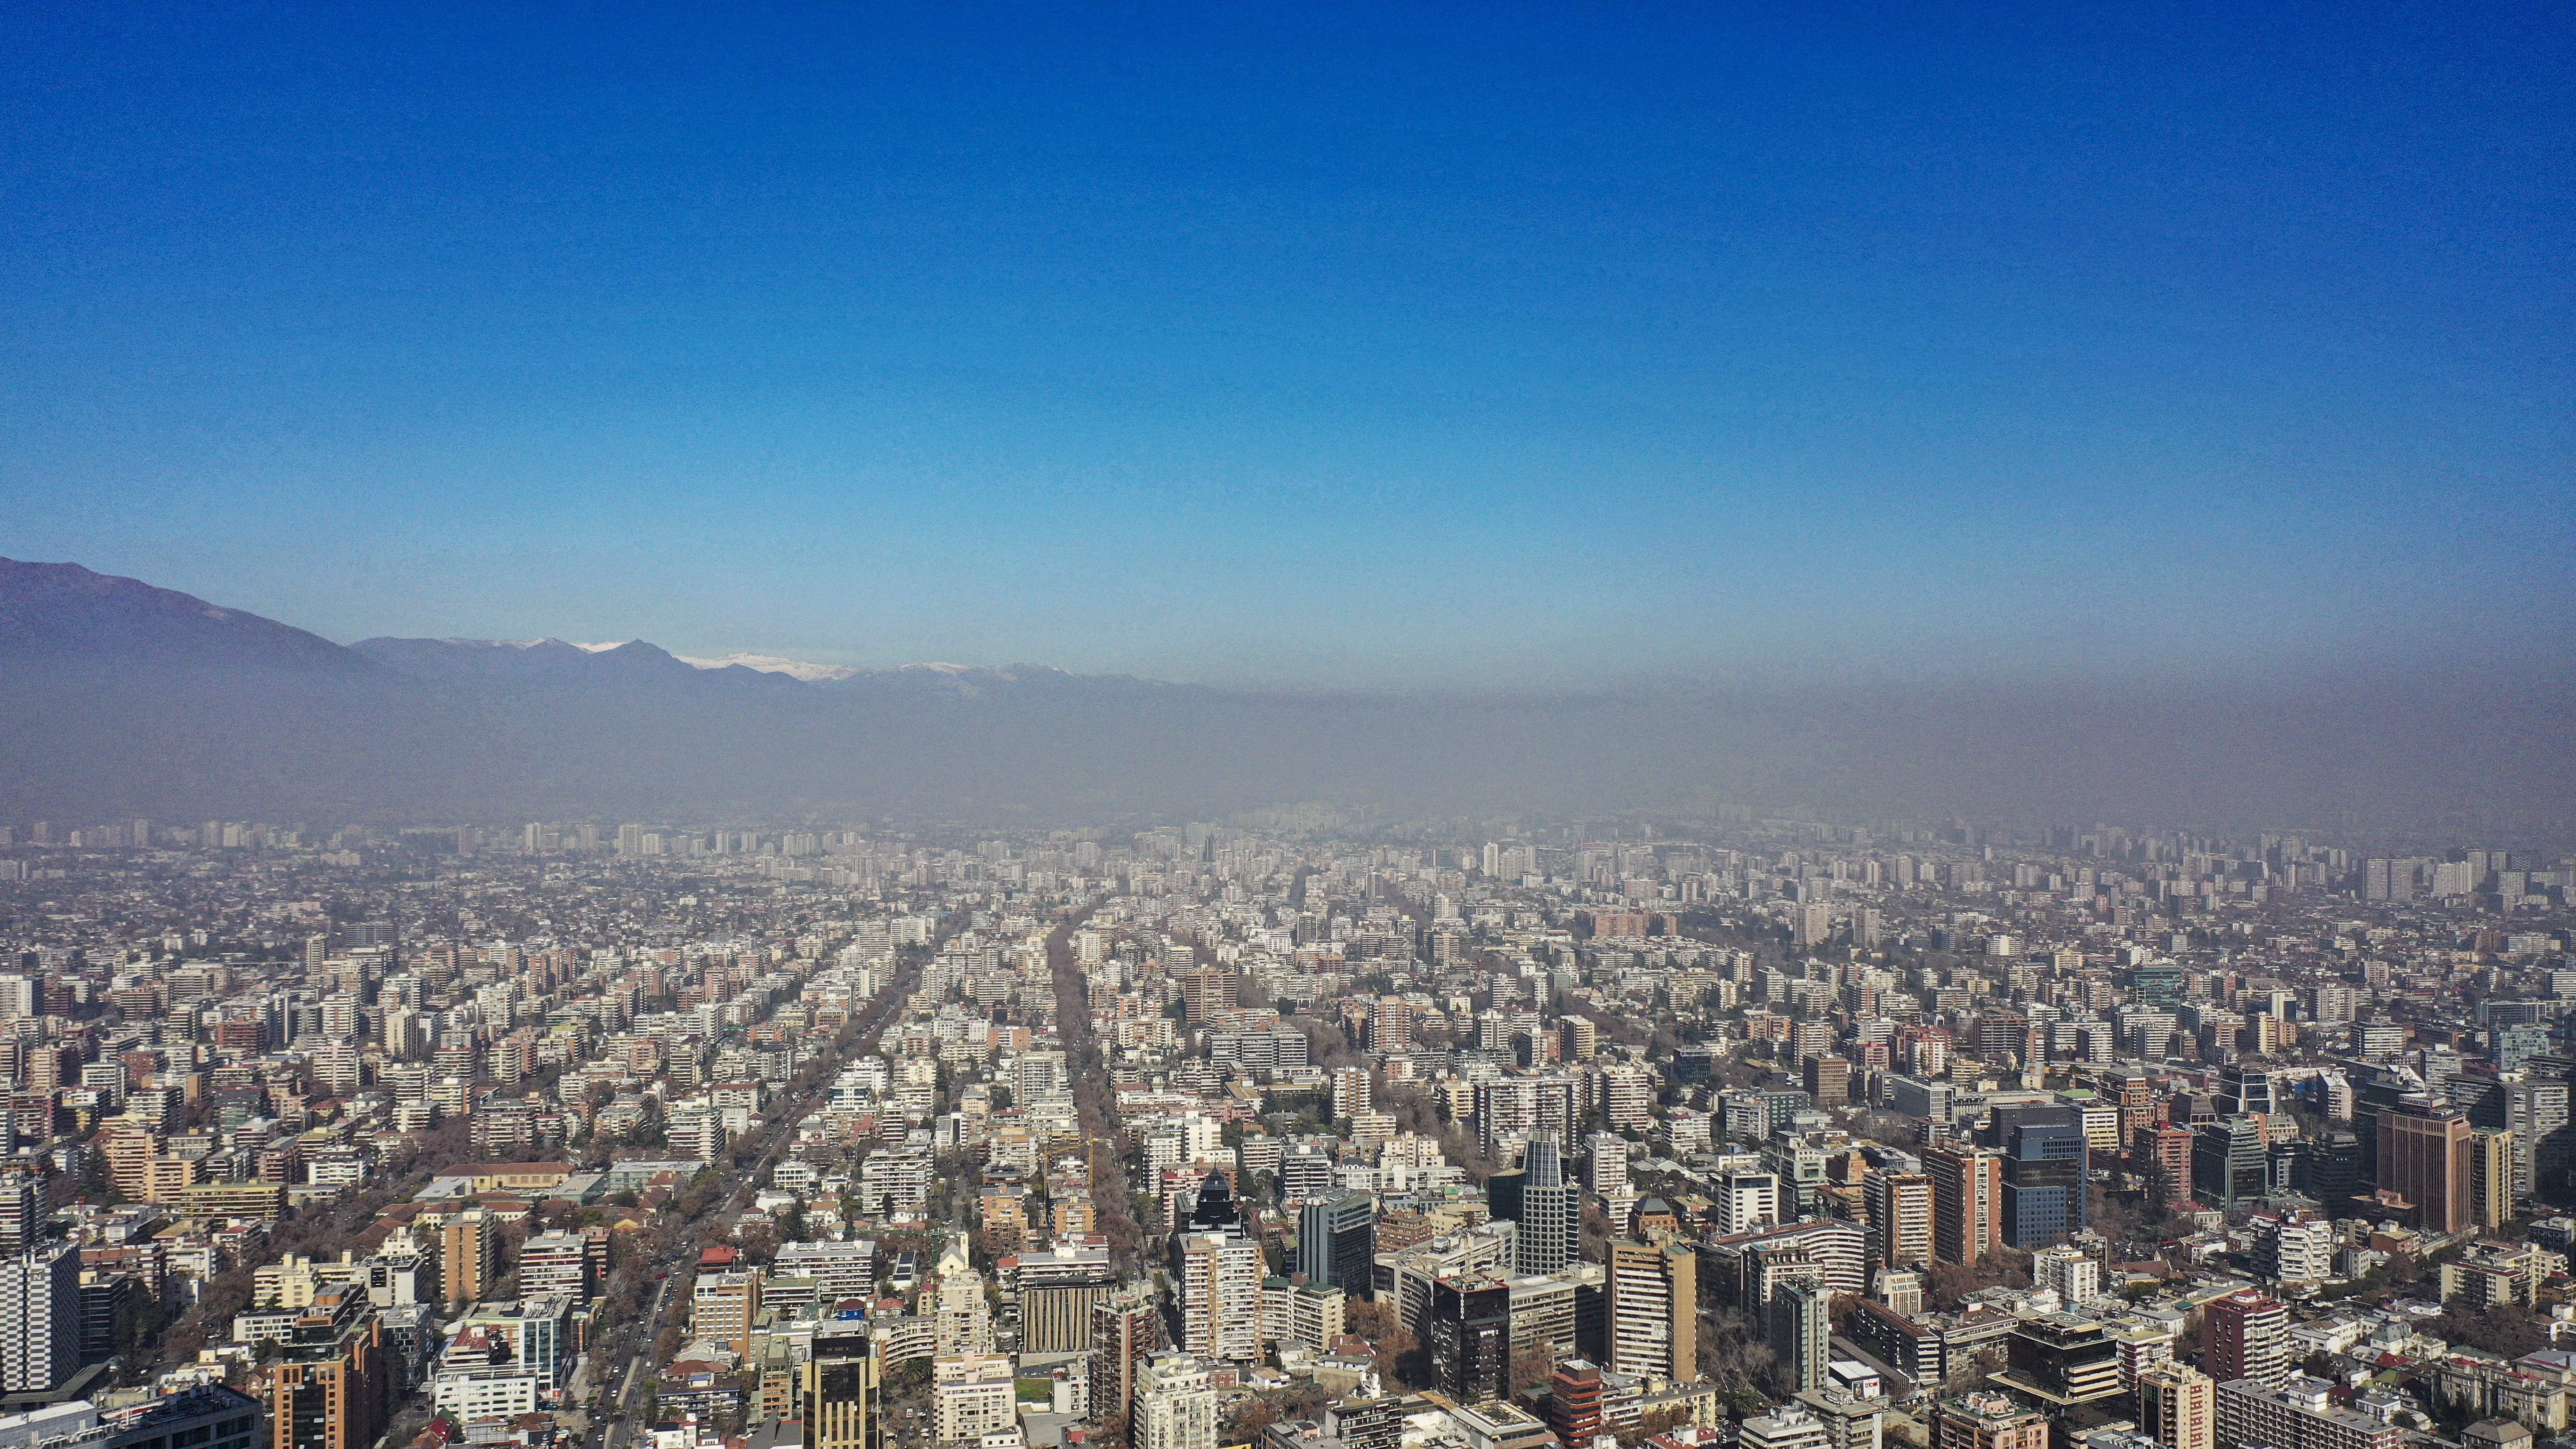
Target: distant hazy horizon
(126, 699)
(1639, 677)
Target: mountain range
(120, 698)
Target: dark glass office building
(2044, 1164)
(1469, 1333)
(1337, 1241)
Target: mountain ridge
(559, 661)
(67, 611)
(118, 697)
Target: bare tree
(1733, 1355)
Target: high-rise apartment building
(1850, 1421)
(2166, 1153)
(563, 1261)
(1390, 1025)
(1789, 1426)
(1175, 1404)
(1829, 1080)
(1801, 1330)
(1812, 925)
(1512, 1110)
(1578, 1038)
(1967, 1196)
(2178, 1406)
(1653, 1309)
(331, 1382)
(961, 1319)
(1899, 1205)
(1350, 1092)
(971, 1395)
(2246, 1336)
(1220, 1276)
(1002, 1211)
(1058, 1290)
(1368, 1423)
(2069, 1272)
(22, 1210)
(40, 1317)
(1605, 1164)
(2291, 1248)
(469, 1246)
(841, 1270)
(1574, 1395)
(1314, 1317)
(1625, 1095)
(2535, 1111)
(1124, 1332)
(1205, 992)
(2388, 880)
(724, 1306)
(2490, 1185)
(2302, 1414)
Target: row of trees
(623, 1314)
(322, 1231)
(1093, 1100)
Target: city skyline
(1156, 727)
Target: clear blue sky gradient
(1313, 346)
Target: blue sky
(1317, 346)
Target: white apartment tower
(40, 1317)
(1175, 1405)
(1220, 1280)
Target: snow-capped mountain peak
(804, 669)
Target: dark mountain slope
(64, 614)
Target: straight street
(774, 1136)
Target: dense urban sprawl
(1304, 1130)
